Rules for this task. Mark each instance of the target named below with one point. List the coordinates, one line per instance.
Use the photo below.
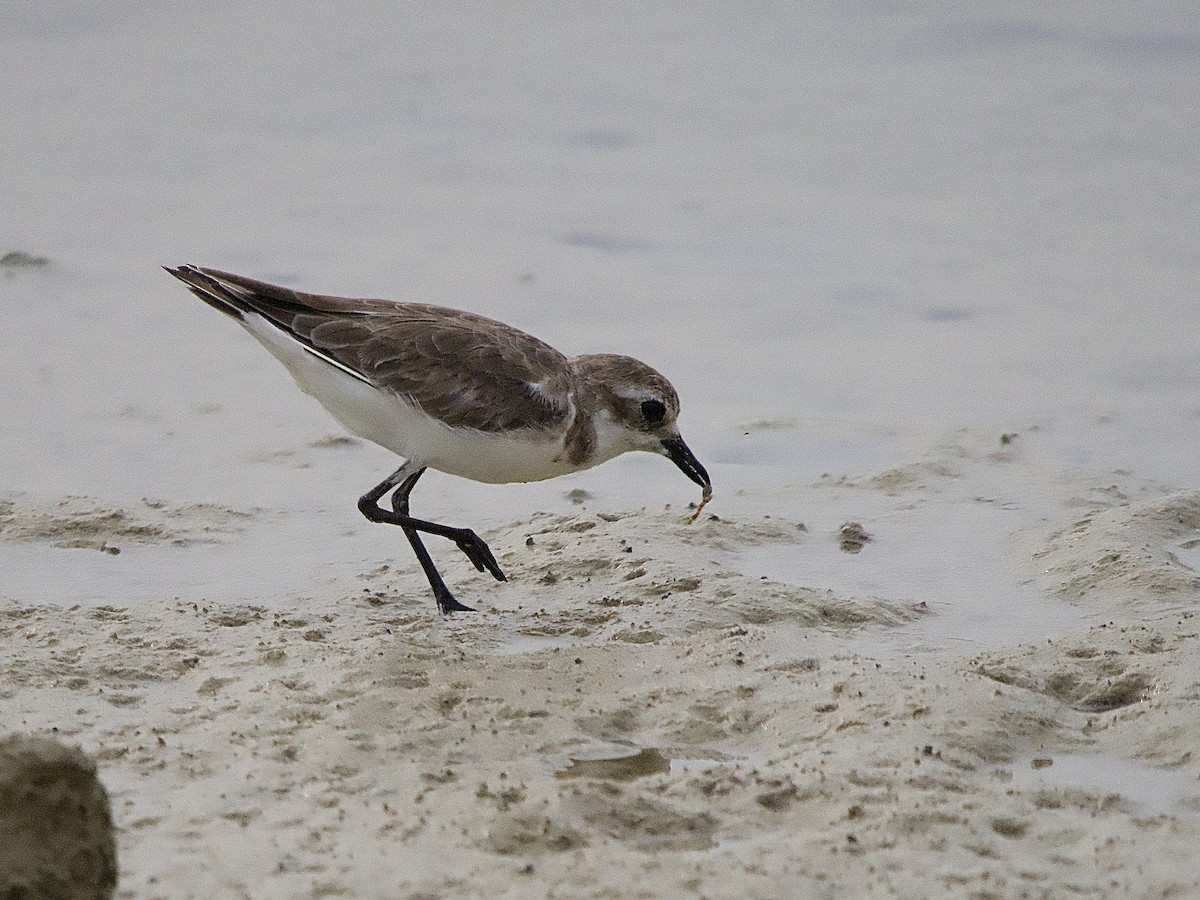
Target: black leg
(445, 600)
(468, 541)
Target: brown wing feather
(466, 370)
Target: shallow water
(841, 232)
(1148, 790)
(955, 560)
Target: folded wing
(466, 370)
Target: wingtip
(179, 271)
(208, 289)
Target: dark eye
(653, 411)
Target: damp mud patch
(1097, 688)
(626, 766)
(86, 523)
(639, 822)
(644, 577)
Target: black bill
(679, 454)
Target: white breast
(389, 421)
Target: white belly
(387, 420)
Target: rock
(56, 832)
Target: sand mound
(1126, 552)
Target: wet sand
(631, 715)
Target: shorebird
(456, 392)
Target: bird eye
(653, 411)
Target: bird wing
(466, 370)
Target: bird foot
(447, 604)
(478, 553)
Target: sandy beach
(925, 280)
(633, 716)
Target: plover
(456, 392)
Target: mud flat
(639, 712)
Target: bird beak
(677, 451)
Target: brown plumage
(453, 391)
(467, 370)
